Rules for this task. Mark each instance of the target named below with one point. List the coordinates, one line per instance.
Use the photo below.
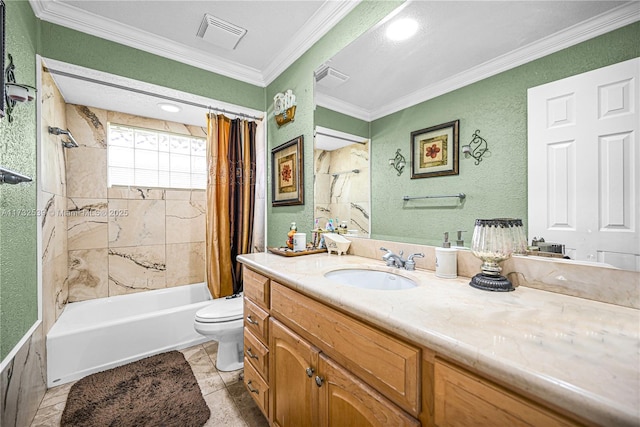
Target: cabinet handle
(251, 355)
(251, 389)
(319, 381)
(310, 372)
(251, 321)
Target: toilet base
(230, 356)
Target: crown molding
(77, 19)
(611, 20)
(342, 107)
(318, 25)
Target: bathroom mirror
(392, 88)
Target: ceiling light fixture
(402, 29)
(170, 108)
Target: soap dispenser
(446, 260)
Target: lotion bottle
(446, 260)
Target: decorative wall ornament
(476, 148)
(434, 151)
(398, 162)
(284, 107)
(287, 177)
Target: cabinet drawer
(384, 362)
(256, 287)
(258, 388)
(256, 320)
(257, 354)
(464, 399)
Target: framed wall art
(434, 151)
(287, 184)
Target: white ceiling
(278, 31)
(458, 42)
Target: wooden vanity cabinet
(256, 337)
(310, 389)
(307, 364)
(466, 399)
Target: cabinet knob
(250, 354)
(310, 372)
(319, 381)
(251, 389)
(250, 320)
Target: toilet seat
(221, 310)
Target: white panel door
(584, 161)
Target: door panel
(346, 401)
(584, 163)
(293, 395)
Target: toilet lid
(221, 310)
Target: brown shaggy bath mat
(157, 391)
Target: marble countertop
(578, 354)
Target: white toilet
(222, 321)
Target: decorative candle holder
(494, 240)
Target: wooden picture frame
(287, 173)
(434, 151)
(2, 55)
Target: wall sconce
(398, 162)
(476, 148)
(15, 92)
(284, 107)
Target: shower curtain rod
(340, 137)
(144, 92)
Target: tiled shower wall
(52, 218)
(122, 240)
(345, 196)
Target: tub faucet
(392, 259)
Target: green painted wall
(299, 78)
(497, 106)
(88, 51)
(18, 243)
(342, 122)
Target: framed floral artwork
(434, 151)
(287, 173)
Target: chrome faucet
(392, 259)
(397, 261)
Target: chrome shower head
(66, 144)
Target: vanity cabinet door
(464, 399)
(344, 400)
(293, 368)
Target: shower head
(66, 144)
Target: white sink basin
(371, 279)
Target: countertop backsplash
(589, 281)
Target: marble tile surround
(24, 382)
(345, 196)
(126, 239)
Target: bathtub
(91, 336)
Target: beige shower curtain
(230, 200)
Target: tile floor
(229, 401)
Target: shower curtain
(231, 151)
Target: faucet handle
(412, 256)
(410, 264)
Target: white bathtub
(91, 336)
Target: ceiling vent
(220, 33)
(330, 78)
